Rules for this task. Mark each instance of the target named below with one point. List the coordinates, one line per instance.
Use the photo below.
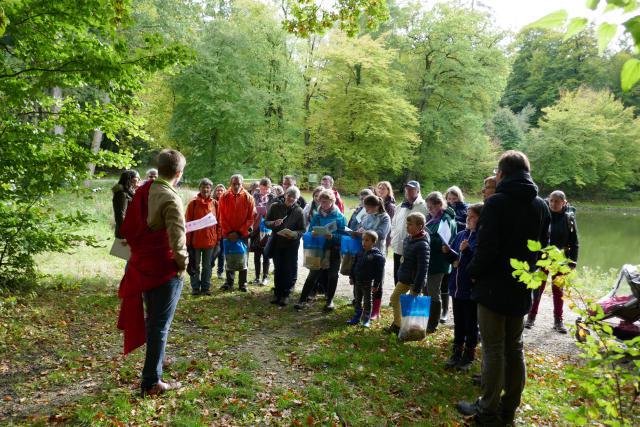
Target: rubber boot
(444, 297)
(558, 325)
(375, 308)
(468, 356)
(228, 284)
(434, 316)
(242, 280)
(356, 318)
(456, 355)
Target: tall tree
(362, 126)
(588, 143)
(239, 106)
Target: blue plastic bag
(236, 256)
(316, 252)
(415, 315)
(349, 248)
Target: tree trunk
(96, 141)
(57, 94)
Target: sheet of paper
(119, 250)
(206, 221)
(287, 233)
(326, 229)
(445, 232)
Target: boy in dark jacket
(465, 310)
(412, 273)
(366, 276)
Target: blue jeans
(161, 305)
(203, 257)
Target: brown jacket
(166, 211)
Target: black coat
(511, 217)
(415, 262)
(120, 201)
(294, 221)
(564, 233)
(368, 267)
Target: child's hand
(414, 293)
(445, 249)
(464, 245)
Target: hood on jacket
(519, 185)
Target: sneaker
(467, 408)
(454, 359)
(531, 320)
(468, 356)
(283, 302)
(243, 287)
(195, 292)
(264, 281)
(355, 319)
(559, 326)
(207, 292)
(226, 287)
(329, 307)
(160, 388)
(220, 275)
(300, 306)
(366, 322)
(256, 281)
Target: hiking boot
(195, 292)
(243, 287)
(226, 287)
(300, 306)
(468, 356)
(531, 319)
(205, 292)
(283, 302)
(355, 319)
(559, 326)
(455, 357)
(467, 408)
(366, 322)
(329, 307)
(160, 388)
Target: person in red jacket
(327, 182)
(236, 211)
(201, 243)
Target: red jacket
(339, 202)
(197, 208)
(151, 265)
(236, 212)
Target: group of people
(442, 247)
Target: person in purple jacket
(465, 310)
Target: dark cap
(413, 184)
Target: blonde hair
(387, 185)
(417, 218)
(455, 191)
(371, 234)
(327, 194)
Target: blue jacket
(336, 216)
(381, 224)
(460, 209)
(415, 262)
(368, 266)
(460, 281)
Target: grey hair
(290, 178)
(205, 181)
(436, 198)
(238, 176)
(293, 190)
(152, 170)
(329, 178)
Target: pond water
(608, 238)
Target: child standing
(465, 310)
(563, 234)
(412, 273)
(366, 277)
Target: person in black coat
(366, 276)
(123, 193)
(563, 234)
(510, 218)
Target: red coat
(339, 202)
(236, 212)
(205, 238)
(150, 266)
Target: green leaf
(606, 32)
(632, 26)
(516, 265)
(534, 246)
(630, 74)
(592, 4)
(575, 26)
(550, 21)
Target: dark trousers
(219, 257)
(363, 298)
(202, 281)
(503, 365)
(397, 260)
(332, 279)
(259, 260)
(285, 269)
(465, 323)
(557, 299)
(161, 303)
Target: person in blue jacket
(328, 216)
(465, 310)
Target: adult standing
(327, 214)
(440, 216)
(262, 199)
(236, 212)
(155, 230)
(488, 187)
(327, 182)
(359, 212)
(510, 218)
(290, 181)
(282, 215)
(201, 243)
(413, 202)
(123, 193)
(217, 194)
(384, 190)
